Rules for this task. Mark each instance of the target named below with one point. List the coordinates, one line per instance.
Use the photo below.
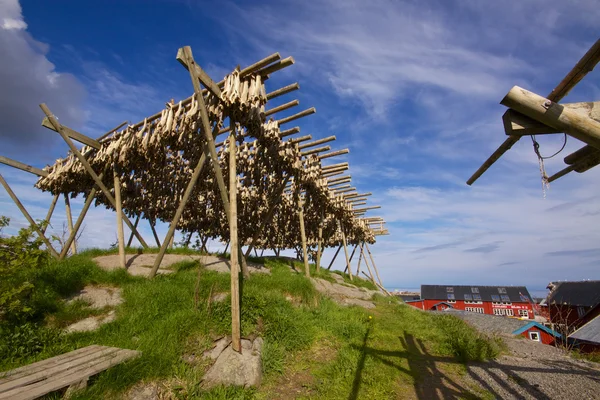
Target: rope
(536, 149)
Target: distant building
(587, 337)
(538, 333)
(511, 301)
(568, 303)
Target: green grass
(333, 351)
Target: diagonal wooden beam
(88, 168)
(50, 212)
(80, 218)
(70, 222)
(23, 167)
(35, 226)
(88, 141)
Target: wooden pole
(360, 256)
(58, 127)
(137, 220)
(152, 222)
(82, 214)
(367, 264)
(345, 250)
(373, 262)
(119, 209)
(554, 115)
(334, 257)
(303, 236)
(319, 245)
(182, 204)
(352, 255)
(236, 341)
(70, 223)
(35, 226)
(50, 212)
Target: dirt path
(537, 371)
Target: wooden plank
(517, 124)
(107, 134)
(23, 167)
(317, 142)
(49, 214)
(184, 56)
(48, 372)
(289, 132)
(258, 65)
(301, 139)
(70, 377)
(135, 224)
(333, 154)
(315, 151)
(35, 226)
(47, 363)
(153, 229)
(73, 134)
(279, 65)
(84, 210)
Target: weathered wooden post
(319, 244)
(373, 263)
(135, 224)
(303, 236)
(119, 209)
(345, 250)
(70, 223)
(236, 341)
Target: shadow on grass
(429, 381)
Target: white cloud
(10, 24)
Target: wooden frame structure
(530, 114)
(156, 170)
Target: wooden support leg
(119, 209)
(182, 204)
(172, 242)
(204, 241)
(268, 217)
(360, 256)
(226, 247)
(367, 264)
(352, 256)
(59, 128)
(319, 244)
(373, 263)
(236, 341)
(137, 220)
(35, 226)
(50, 212)
(346, 252)
(334, 257)
(84, 210)
(70, 223)
(303, 236)
(262, 252)
(152, 224)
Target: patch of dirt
(141, 264)
(99, 297)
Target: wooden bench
(71, 369)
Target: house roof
(492, 324)
(583, 293)
(443, 302)
(589, 332)
(537, 325)
(442, 292)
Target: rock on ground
(144, 391)
(91, 323)
(233, 368)
(99, 296)
(345, 294)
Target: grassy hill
(313, 347)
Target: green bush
(464, 342)
(25, 340)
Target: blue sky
(411, 88)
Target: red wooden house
(569, 302)
(538, 333)
(512, 301)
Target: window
(502, 290)
(581, 311)
(524, 298)
(478, 310)
(510, 313)
(468, 297)
(451, 298)
(450, 289)
(477, 297)
(474, 290)
(496, 298)
(534, 336)
(524, 313)
(498, 311)
(505, 298)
